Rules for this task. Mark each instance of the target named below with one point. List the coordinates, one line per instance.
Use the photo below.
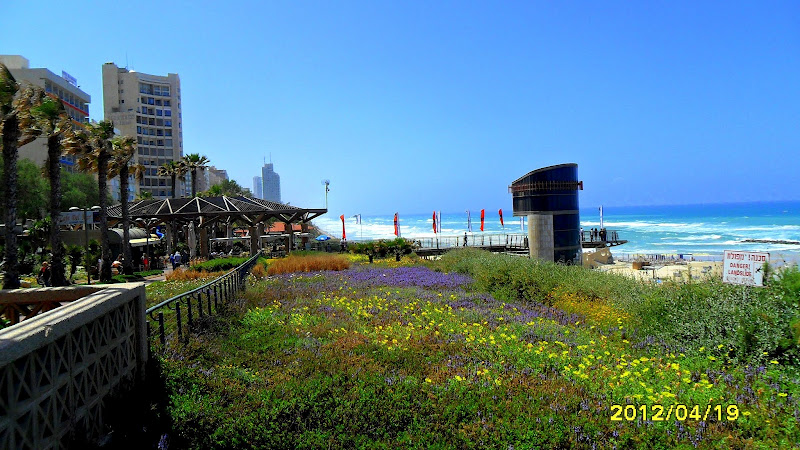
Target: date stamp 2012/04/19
(678, 411)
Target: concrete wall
(56, 369)
(540, 236)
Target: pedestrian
(145, 262)
(177, 260)
(465, 239)
(44, 275)
(172, 260)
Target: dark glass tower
(553, 191)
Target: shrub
(217, 265)
(308, 262)
(191, 274)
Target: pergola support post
(204, 242)
(254, 237)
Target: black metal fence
(173, 318)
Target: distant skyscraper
(272, 184)
(258, 187)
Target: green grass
(340, 360)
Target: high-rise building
(149, 108)
(258, 187)
(271, 183)
(215, 176)
(64, 88)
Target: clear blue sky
(416, 106)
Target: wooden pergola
(203, 212)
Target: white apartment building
(65, 88)
(149, 108)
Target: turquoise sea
(700, 230)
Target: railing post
(189, 311)
(178, 318)
(208, 297)
(161, 329)
(199, 304)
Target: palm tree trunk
(57, 277)
(102, 185)
(126, 220)
(10, 137)
(174, 188)
(194, 183)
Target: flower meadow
(478, 350)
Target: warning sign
(744, 267)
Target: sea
(700, 231)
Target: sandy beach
(666, 270)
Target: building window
(150, 101)
(160, 122)
(160, 142)
(168, 113)
(139, 130)
(168, 142)
(167, 123)
(165, 91)
(167, 132)
(166, 103)
(122, 101)
(159, 132)
(159, 113)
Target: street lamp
(86, 239)
(327, 189)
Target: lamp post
(327, 189)
(86, 238)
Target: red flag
(344, 235)
(434, 222)
(501, 218)
(395, 225)
(483, 213)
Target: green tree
(15, 105)
(173, 170)
(93, 148)
(79, 189)
(52, 121)
(123, 150)
(194, 162)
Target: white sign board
(75, 218)
(744, 267)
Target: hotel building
(149, 108)
(64, 88)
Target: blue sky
(416, 106)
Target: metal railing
(509, 241)
(173, 318)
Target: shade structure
(185, 210)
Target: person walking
(465, 239)
(176, 260)
(44, 275)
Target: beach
(680, 271)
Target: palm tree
(174, 170)
(194, 162)
(123, 150)
(14, 114)
(51, 119)
(93, 148)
